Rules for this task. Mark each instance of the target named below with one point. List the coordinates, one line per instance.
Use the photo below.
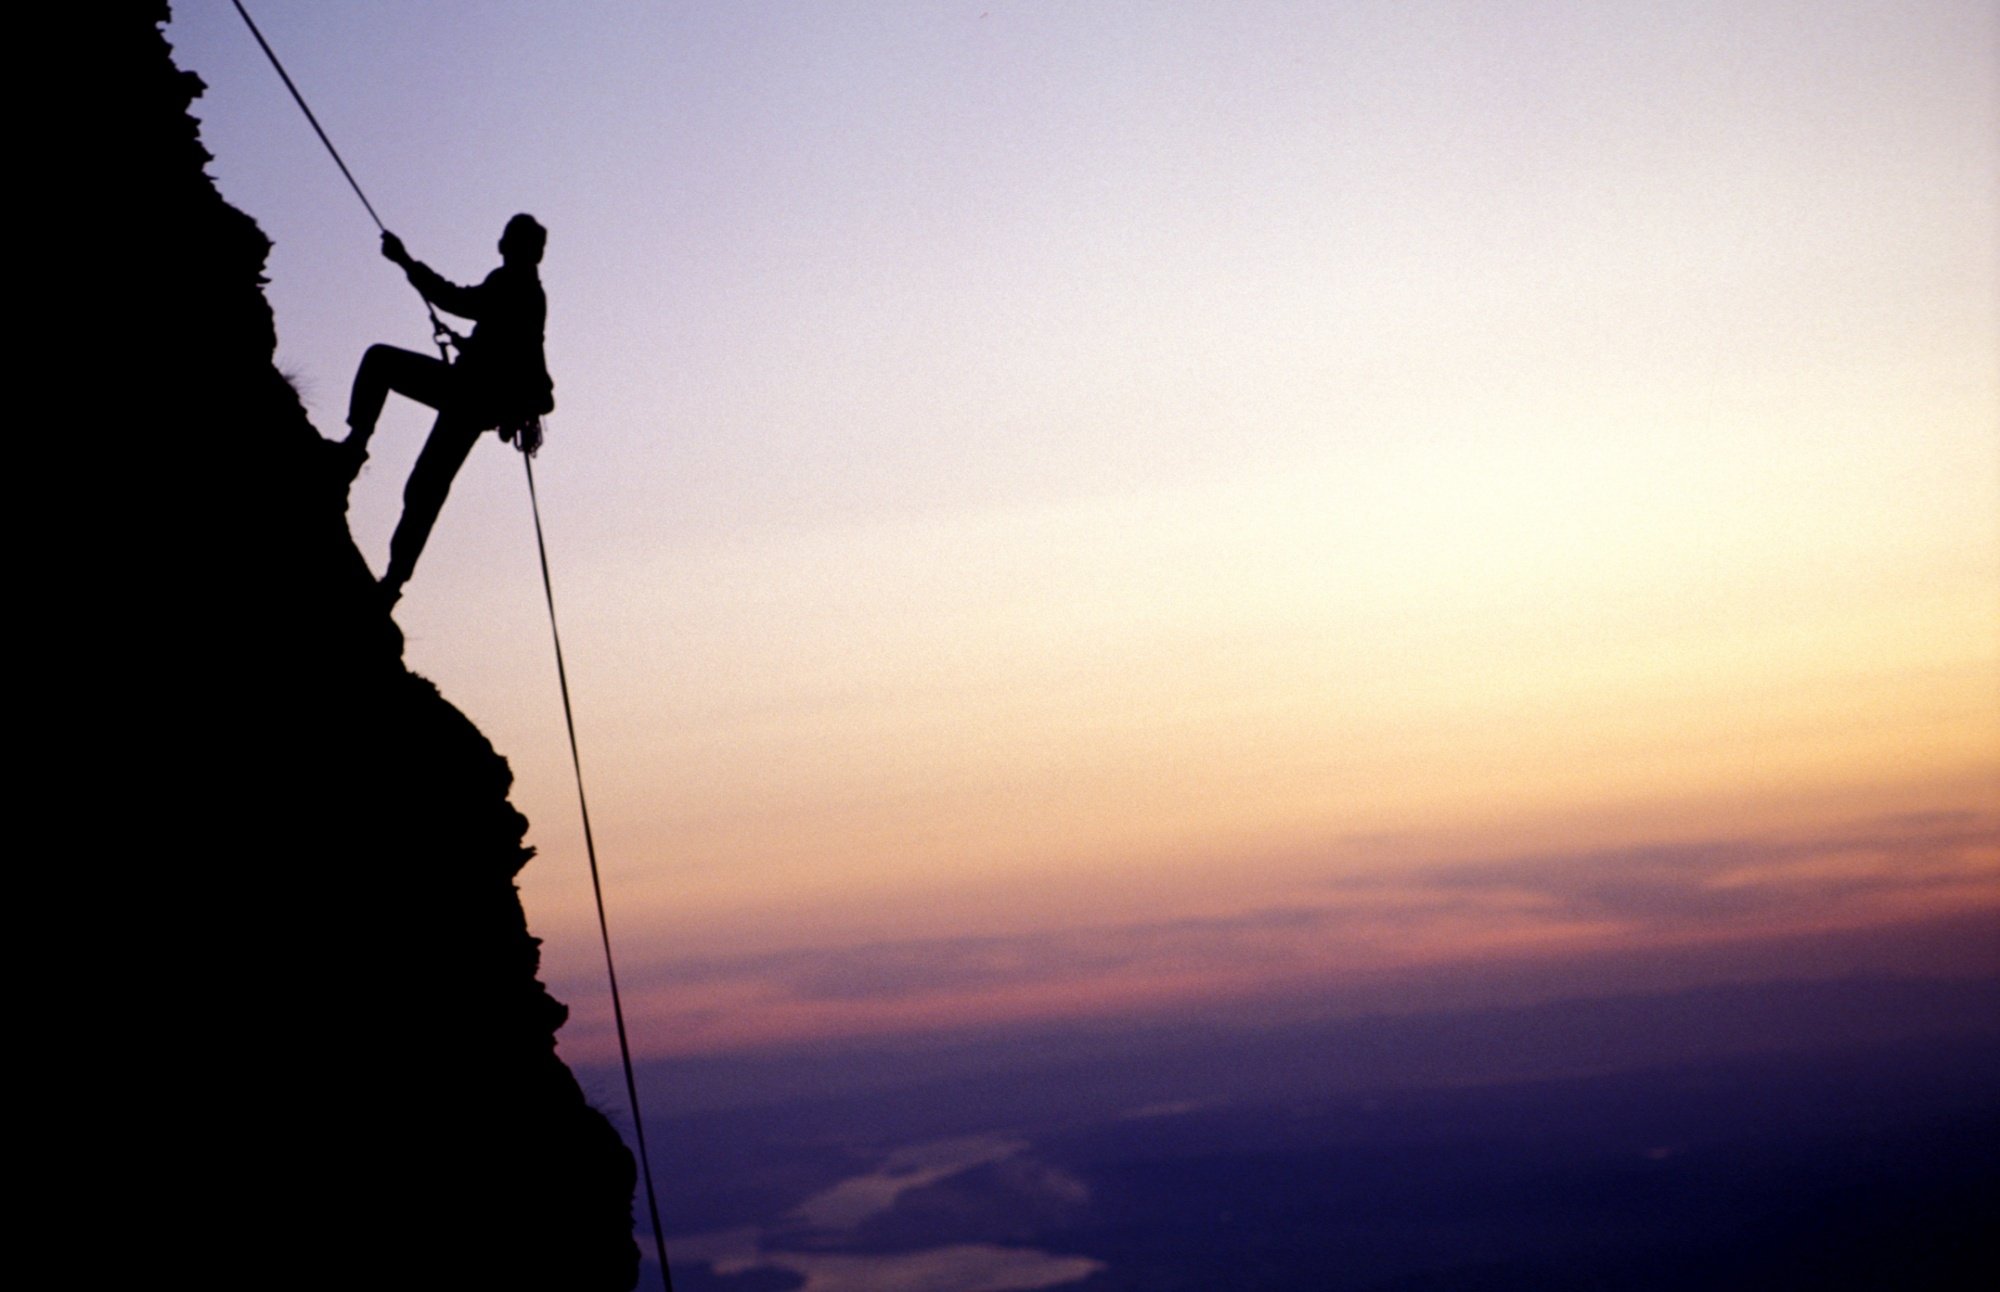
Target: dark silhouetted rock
(309, 993)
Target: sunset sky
(1067, 508)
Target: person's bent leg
(430, 481)
(385, 368)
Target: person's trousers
(428, 381)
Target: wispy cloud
(1903, 859)
(1556, 903)
(933, 966)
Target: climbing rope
(441, 336)
(440, 333)
(596, 886)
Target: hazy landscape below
(1828, 1134)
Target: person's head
(522, 241)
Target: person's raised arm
(449, 296)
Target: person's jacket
(503, 376)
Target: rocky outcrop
(316, 1011)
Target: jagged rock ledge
(336, 1062)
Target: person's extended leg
(430, 480)
(385, 368)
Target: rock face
(320, 1020)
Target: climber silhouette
(501, 381)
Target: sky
(1065, 509)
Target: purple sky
(1077, 506)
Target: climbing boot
(343, 458)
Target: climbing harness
(527, 438)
